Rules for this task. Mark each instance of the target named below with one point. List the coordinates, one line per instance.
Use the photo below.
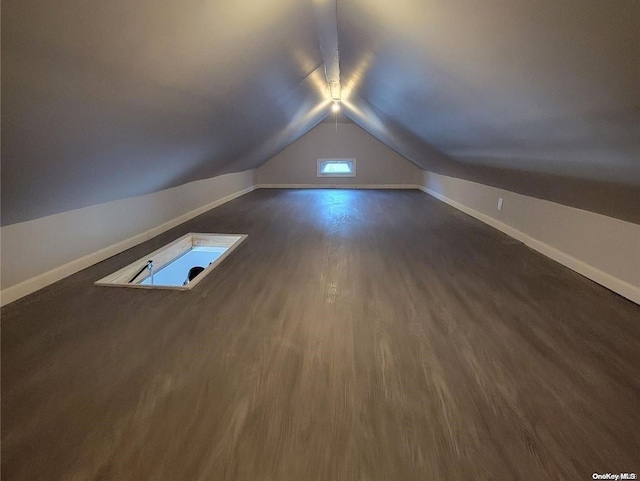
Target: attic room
(320, 240)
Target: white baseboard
(24, 288)
(619, 286)
(337, 186)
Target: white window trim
(352, 174)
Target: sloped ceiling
(104, 100)
(545, 86)
(107, 100)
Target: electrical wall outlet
(500, 203)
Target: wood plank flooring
(355, 335)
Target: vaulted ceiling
(107, 100)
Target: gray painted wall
(602, 248)
(41, 251)
(376, 163)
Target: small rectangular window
(336, 167)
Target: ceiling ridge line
(326, 13)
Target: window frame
(335, 160)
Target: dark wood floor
(355, 335)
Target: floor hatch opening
(180, 265)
